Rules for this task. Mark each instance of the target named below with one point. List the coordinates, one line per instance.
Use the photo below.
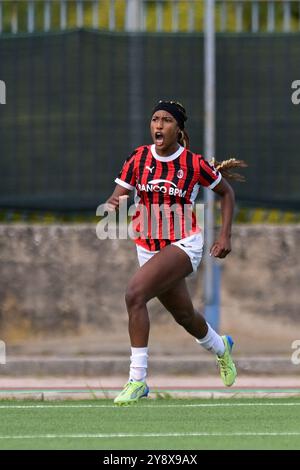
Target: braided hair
(183, 139)
(224, 166)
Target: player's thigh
(177, 300)
(159, 274)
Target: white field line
(187, 405)
(130, 435)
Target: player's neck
(166, 152)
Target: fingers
(218, 251)
(223, 254)
(109, 207)
(113, 203)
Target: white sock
(138, 365)
(212, 342)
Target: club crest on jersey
(180, 174)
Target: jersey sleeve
(127, 176)
(209, 176)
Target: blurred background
(81, 79)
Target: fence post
(159, 16)
(133, 15)
(271, 17)
(223, 22)
(175, 16)
(47, 16)
(212, 310)
(286, 16)
(14, 18)
(135, 61)
(239, 17)
(79, 14)
(254, 17)
(211, 277)
(95, 13)
(191, 16)
(63, 14)
(112, 15)
(30, 16)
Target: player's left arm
(222, 246)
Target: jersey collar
(169, 158)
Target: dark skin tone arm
(119, 191)
(222, 245)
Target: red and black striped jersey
(165, 190)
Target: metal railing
(148, 15)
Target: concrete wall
(63, 282)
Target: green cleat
(131, 393)
(227, 366)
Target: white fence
(148, 15)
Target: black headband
(172, 108)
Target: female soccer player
(166, 177)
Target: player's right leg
(132, 392)
(157, 275)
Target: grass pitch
(152, 424)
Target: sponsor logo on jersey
(150, 168)
(158, 186)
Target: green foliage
(243, 215)
(187, 10)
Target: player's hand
(113, 202)
(221, 247)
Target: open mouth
(159, 138)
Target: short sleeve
(127, 177)
(209, 176)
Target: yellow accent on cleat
(131, 393)
(227, 367)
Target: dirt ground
(253, 335)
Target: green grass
(151, 424)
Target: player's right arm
(125, 182)
(114, 200)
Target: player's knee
(134, 296)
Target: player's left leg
(178, 302)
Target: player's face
(164, 132)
